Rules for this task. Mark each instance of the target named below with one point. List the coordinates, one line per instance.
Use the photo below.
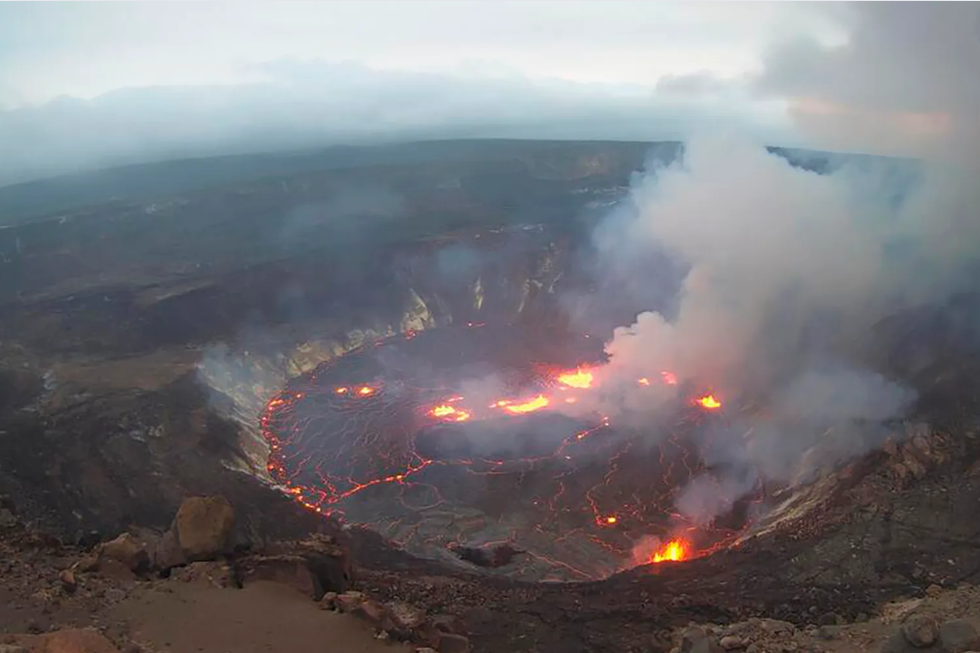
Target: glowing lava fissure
(575, 494)
(672, 551)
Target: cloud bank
(301, 105)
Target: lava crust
(410, 437)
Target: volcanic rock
(203, 526)
(11, 648)
(67, 579)
(830, 619)
(218, 574)
(128, 550)
(447, 623)
(450, 643)
(329, 601)
(168, 553)
(776, 626)
(86, 564)
(405, 617)
(7, 519)
(696, 640)
(491, 557)
(897, 643)
(828, 632)
(347, 601)
(374, 613)
(731, 642)
(921, 631)
(958, 636)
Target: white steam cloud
(786, 266)
(790, 269)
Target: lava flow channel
(427, 466)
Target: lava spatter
(408, 455)
(672, 551)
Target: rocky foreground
(190, 588)
(78, 599)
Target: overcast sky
(84, 85)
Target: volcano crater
(454, 440)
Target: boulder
(896, 643)
(328, 602)
(373, 613)
(828, 633)
(216, 574)
(128, 550)
(203, 526)
(68, 581)
(349, 600)
(958, 636)
(691, 637)
(168, 553)
(406, 619)
(920, 630)
(731, 642)
(776, 627)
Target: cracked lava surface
(451, 439)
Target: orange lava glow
(709, 402)
(340, 391)
(365, 390)
(537, 403)
(644, 381)
(580, 378)
(669, 378)
(611, 519)
(449, 412)
(674, 551)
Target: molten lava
(529, 406)
(448, 412)
(709, 402)
(580, 378)
(674, 551)
(345, 448)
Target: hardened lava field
(451, 443)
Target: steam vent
(502, 383)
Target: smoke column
(784, 266)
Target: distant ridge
(27, 201)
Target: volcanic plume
(784, 267)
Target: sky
(94, 84)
